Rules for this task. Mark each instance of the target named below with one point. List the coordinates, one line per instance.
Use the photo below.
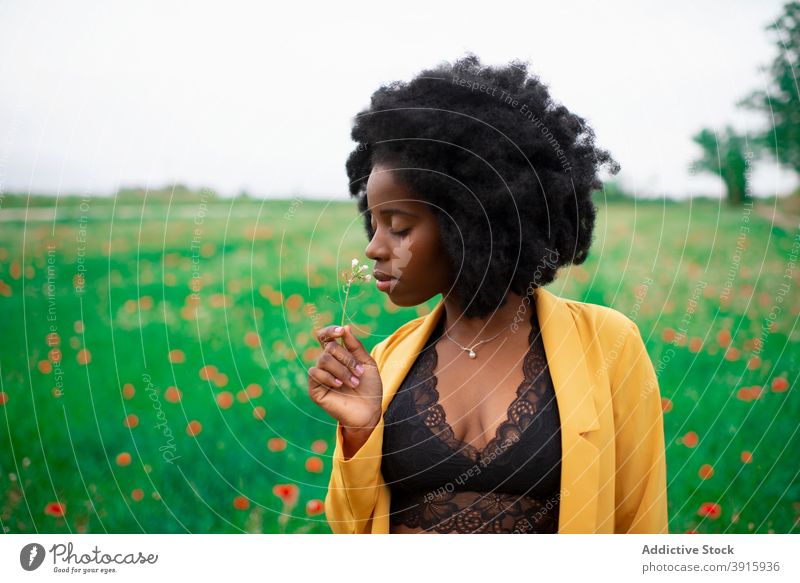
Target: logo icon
(31, 556)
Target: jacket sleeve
(355, 483)
(641, 472)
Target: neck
(468, 331)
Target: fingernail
(360, 369)
(354, 380)
(337, 330)
(337, 382)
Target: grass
(159, 384)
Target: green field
(154, 357)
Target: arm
(355, 480)
(641, 473)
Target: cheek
(404, 252)
(420, 252)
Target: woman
(506, 409)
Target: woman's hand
(355, 404)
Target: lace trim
(490, 513)
(519, 414)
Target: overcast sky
(232, 95)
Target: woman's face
(406, 245)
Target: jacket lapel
(580, 458)
(574, 396)
(399, 360)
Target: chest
(474, 445)
(475, 397)
(505, 425)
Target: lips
(384, 282)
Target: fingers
(354, 345)
(329, 334)
(346, 357)
(341, 364)
(346, 363)
(332, 400)
(322, 391)
(323, 377)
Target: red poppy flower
(748, 394)
(276, 444)
(286, 492)
(732, 353)
(193, 428)
(56, 509)
(84, 356)
(314, 506)
(314, 464)
(252, 340)
(690, 439)
(666, 405)
(254, 390)
(225, 400)
(710, 509)
(173, 394)
(779, 385)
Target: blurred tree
(780, 101)
(728, 156)
(612, 191)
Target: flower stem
(344, 308)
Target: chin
(400, 301)
(398, 298)
(407, 300)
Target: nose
(376, 249)
(372, 249)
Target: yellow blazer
(613, 470)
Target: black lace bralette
(441, 484)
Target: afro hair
(508, 172)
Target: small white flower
(368, 277)
(355, 262)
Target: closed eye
(401, 233)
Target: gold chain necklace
(471, 350)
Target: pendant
(472, 353)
